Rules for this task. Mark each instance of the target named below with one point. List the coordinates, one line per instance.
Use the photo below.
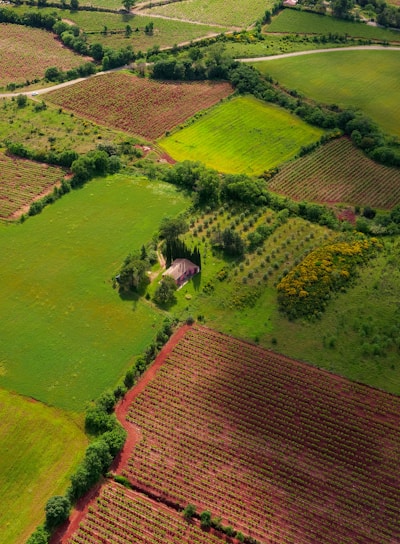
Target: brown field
(22, 181)
(136, 105)
(280, 450)
(27, 52)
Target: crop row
(22, 181)
(137, 105)
(120, 516)
(27, 52)
(264, 441)
(338, 172)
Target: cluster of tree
(207, 521)
(177, 249)
(203, 182)
(230, 242)
(386, 14)
(133, 274)
(94, 163)
(63, 158)
(212, 63)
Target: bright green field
(222, 12)
(290, 20)
(368, 80)
(67, 335)
(61, 131)
(243, 135)
(34, 462)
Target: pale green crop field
(34, 462)
(222, 12)
(367, 80)
(243, 135)
(67, 335)
(290, 20)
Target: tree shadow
(196, 280)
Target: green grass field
(274, 45)
(52, 128)
(243, 135)
(367, 80)
(290, 20)
(34, 462)
(69, 335)
(229, 13)
(166, 32)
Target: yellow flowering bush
(307, 288)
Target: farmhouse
(182, 270)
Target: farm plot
(289, 20)
(230, 13)
(243, 135)
(338, 172)
(109, 29)
(26, 53)
(34, 462)
(367, 80)
(122, 516)
(282, 451)
(139, 106)
(22, 181)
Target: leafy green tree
(22, 100)
(40, 536)
(165, 292)
(52, 73)
(133, 274)
(128, 4)
(74, 4)
(57, 511)
(189, 512)
(342, 8)
(171, 228)
(205, 519)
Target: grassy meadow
(52, 128)
(227, 13)
(366, 80)
(166, 32)
(34, 462)
(69, 335)
(243, 135)
(302, 22)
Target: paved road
(38, 92)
